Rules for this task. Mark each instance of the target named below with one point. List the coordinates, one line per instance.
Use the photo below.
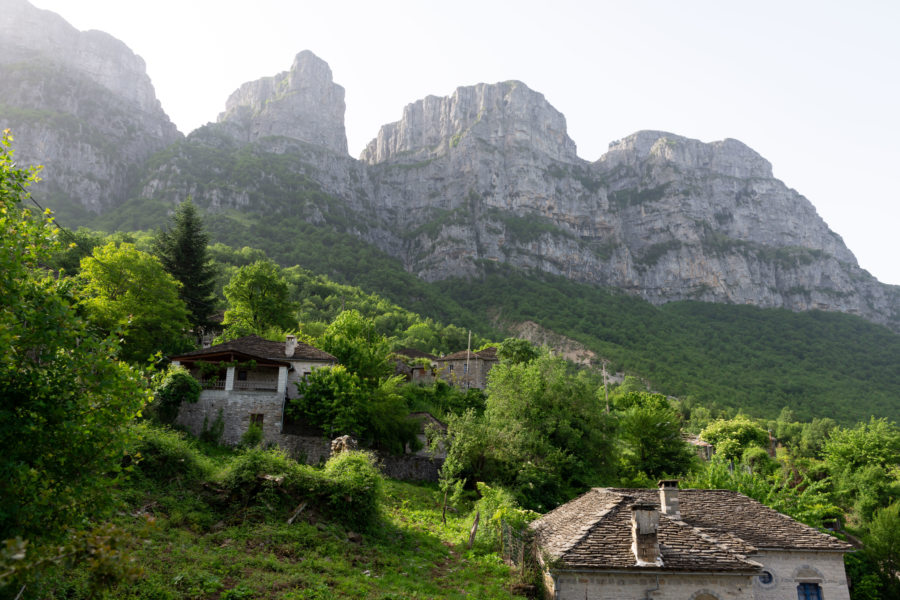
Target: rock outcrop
(303, 104)
(79, 103)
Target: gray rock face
(490, 174)
(79, 103)
(507, 116)
(303, 103)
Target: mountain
(489, 174)
(79, 103)
(475, 209)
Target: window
(451, 367)
(242, 375)
(256, 419)
(809, 591)
(465, 368)
(765, 578)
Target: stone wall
(789, 569)
(618, 586)
(237, 406)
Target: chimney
(290, 344)
(644, 527)
(668, 498)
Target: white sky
(813, 86)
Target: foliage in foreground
(218, 529)
(65, 401)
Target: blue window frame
(809, 591)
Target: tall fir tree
(182, 250)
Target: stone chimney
(644, 528)
(668, 498)
(290, 344)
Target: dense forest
(98, 487)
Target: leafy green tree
(182, 250)
(128, 290)
(732, 437)
(331, 398)
(258, 298)
(883, 548)
(864, 463)
(355, 342)
(650, 433)
(65, 401)
(549, 431)
(517, 350)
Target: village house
(467, 369)
(248, 380)
(613, 543)
(411, 363)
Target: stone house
(613, 543)
(467, 369)
(249, 380)
(409, 363)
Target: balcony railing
(212, 384)
(257, 385)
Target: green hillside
(740, 357)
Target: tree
(182, 250)
(550, 436)
(355, 342)
(883, 548)
(732, 437)
(128, 290)
(65, 401)
(258, 299)
(516, 350)
(651, 436)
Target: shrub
(175, 386)
(347, 490)
(355, 489)
(253, 436)
(212, 434)
(165, 454)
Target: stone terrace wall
(237, 406)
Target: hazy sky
(813, 86)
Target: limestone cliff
(80, 103)
(303, 103)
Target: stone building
(248, 379)
(467, 369)
(410, 363)
(613, 543)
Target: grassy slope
(191, 549)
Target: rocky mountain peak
(728, 157)
(303, 103)
(506, 116)
(28, 33)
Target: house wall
(457, 376)
(788, 569)
(299, 369)
(616, 586)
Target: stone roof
(413, 353)
(719, 531)
(489, 353)
(255, 346)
